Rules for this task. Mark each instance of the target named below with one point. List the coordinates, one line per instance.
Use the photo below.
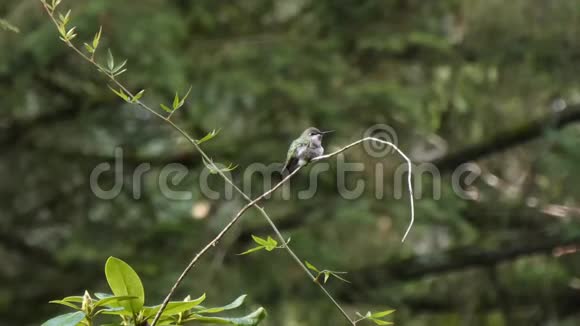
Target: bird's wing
(292, 155)
(291, 151)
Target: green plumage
(301, 150)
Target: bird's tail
(289, 167)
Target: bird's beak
(326, 132)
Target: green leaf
(64, 19)
(311, 267)
(252, 319)
(117, 68)
(271, 244)
(89, 48)
(213, 169)
(118, 311)
(235, 304)
(70, 319)
(117, 73)
(97, 38)
(380, 322)
(120, 93)
(366, 316)
(185, 97)
(272, 241)
(165, 108)
(138, 96)
(326, 276)
(110, 60)
(7, 26)
(124, 281)
(335, 274)
(249, 251)
(174, 307)
(175, 101)
(113, 299)
(75, 298)
(259, 240)
(381, 314)
(209, 136)
(101, 295)
(66, 303)
(71, 34)
(55, 4)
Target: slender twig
(409, 175)
(251, 203)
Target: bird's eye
(311, 134)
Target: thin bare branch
(409, 175)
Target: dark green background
(487, 77)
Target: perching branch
(409, 175)
(135, 99)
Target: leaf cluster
(127, 302)
(268, 244)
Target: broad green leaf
(74, 298)
(174, 307)
(113, 299)
(235, 304)
(124, 281)
(117, 311)
(252, 319)
(113, 311)
(70, 319)
(66, 303)
(311, 267)
(249, 251)
(101, 295)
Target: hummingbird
(304, 148)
